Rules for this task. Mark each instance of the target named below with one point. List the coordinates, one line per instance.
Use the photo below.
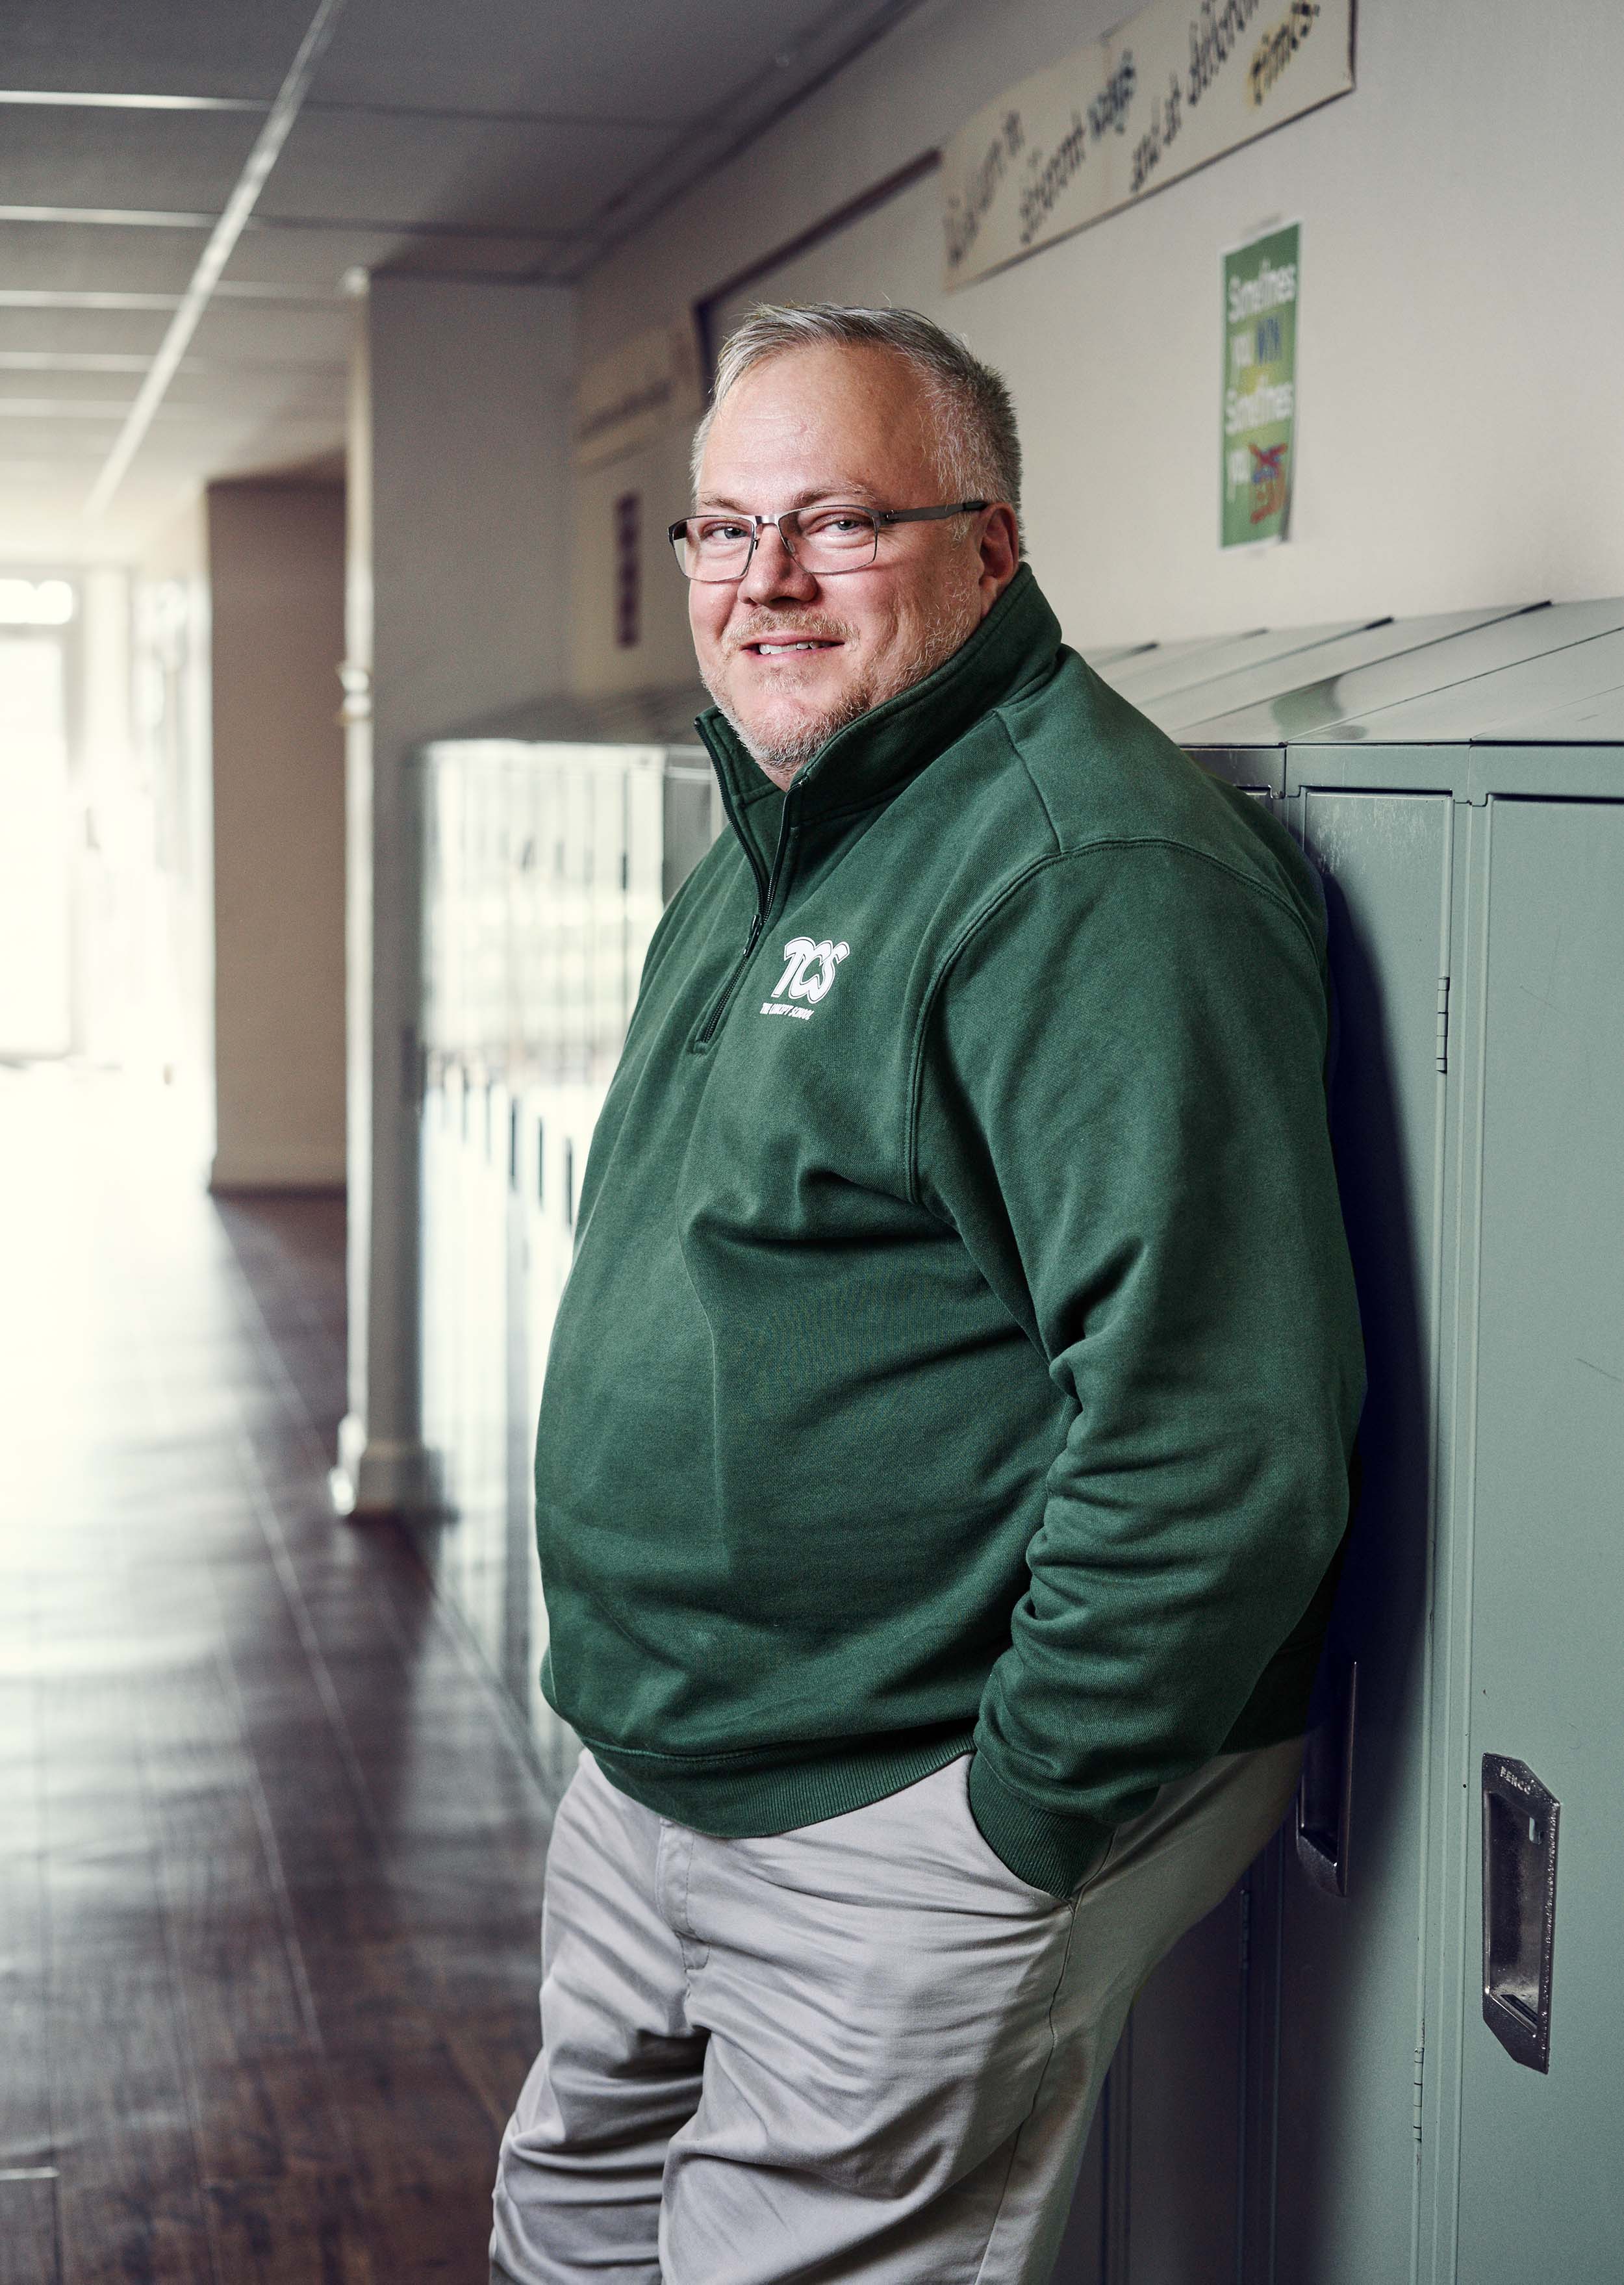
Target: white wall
(1461, 334)
(664, 655)
(276, 561)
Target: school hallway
(269, 1896)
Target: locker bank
(1394, 2051)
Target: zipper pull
(754, 938)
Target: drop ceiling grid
(500, 139)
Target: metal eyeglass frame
(676, 532)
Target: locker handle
(1325, 1792)
(1519, 1908)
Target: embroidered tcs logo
(809, 971)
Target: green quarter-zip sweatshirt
(961, 1348)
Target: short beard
(783, 755)
(790, 751)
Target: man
(943, 1452)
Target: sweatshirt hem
(730, 1803)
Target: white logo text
(809, 971)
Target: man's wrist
(1043, 1846)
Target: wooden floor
(271, 1854)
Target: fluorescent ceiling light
(76, 100)
(42, 297)
(115, 217)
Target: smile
(780, 646)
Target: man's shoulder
(1104, 777)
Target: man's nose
(773, 573)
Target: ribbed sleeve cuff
(1040, 1847)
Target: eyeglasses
(824, 540)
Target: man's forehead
(826, 420)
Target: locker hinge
(1443, 1022)
(1414, 2117)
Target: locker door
(1350, 2001)
(1540, 2189)
(1259, 2124)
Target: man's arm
(1121, 1110)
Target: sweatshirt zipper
(766, 893)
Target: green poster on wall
(1261, 281)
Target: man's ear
(1001, 554)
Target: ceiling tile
(90, 330)
(203, 448)
(648, 60)
(319, 260)
(261, 331)
(472, 257)
(83, 441)
(314, 260)
(178, 47)
(29, 451)
(138, 159)
(369, 167)
(80, 257)
(91, 389)
(267, 391)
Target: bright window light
(35, 602)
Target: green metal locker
(1520, 2076)
(1292, 2070)
(1382, 1999)
(1537, 1562)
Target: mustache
(789, 630)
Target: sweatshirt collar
(873, 758)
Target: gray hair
(978, 450)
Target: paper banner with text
(1259, 416)
(1178, 84)
(651, 383)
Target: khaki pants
(859, 2050)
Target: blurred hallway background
(268, 1892)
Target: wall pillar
(457, 609)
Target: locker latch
(1519, 1908)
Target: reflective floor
(272, 1850)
